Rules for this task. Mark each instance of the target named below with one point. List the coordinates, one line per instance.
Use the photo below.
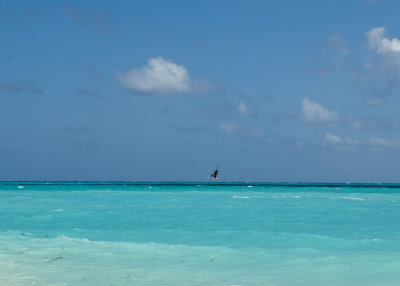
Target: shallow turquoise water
(199, 234)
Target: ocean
(121, 233)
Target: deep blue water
(123, 233)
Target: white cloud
(370, 122)
(387, 49)
(382, 44)
(340, 142)
(347, 143)
(244, 109)
(227, 127)
(337, 43)
(380, 75)
(160, 77)
(380, 142)
(257, 132)
(374, 101)
(315, 112)
(333, 139)
(356, 123)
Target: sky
(274, 91)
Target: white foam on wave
(352, 198)
(20, 187)
(81, 262)
(240, 197)
(59, 210)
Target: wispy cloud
(331, 57)
(370, 123)
(337, 43)
(20, 86)
(224, 108)
(378, 76)
(339, 141)
(263, 135)
(314, 112)
(374, 101)
(228, 127)
(381, 142)
(347, 143)
(160, 77)
(333, 139)
(100, 21)
(257, 132)
(243, 109)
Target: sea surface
(121, 233)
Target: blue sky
(165, 90)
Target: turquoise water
(199, 234)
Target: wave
(21, 184)
(352, 198)
(64, 260)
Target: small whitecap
(353, 198)
(20, 187)
(99, 242)
(30, 278)
(59, 210)
(296, 197)
(249, 186)
(240, 197)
